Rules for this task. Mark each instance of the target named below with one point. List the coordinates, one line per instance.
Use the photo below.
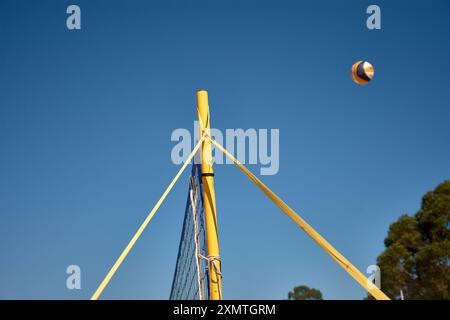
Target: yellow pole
(209, 199)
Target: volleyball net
(190, 280)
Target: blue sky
(86, 118)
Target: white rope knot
(210, 260)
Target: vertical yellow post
(209, 199)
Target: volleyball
(362, 72)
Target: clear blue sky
(86, 118)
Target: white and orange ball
(362, 72)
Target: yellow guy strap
(138, 233)
(343, 262)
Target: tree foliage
(416, 258)
(305, 293)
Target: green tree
(305, 293)
(416, 258)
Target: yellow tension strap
(138, 233)
(343, 262)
